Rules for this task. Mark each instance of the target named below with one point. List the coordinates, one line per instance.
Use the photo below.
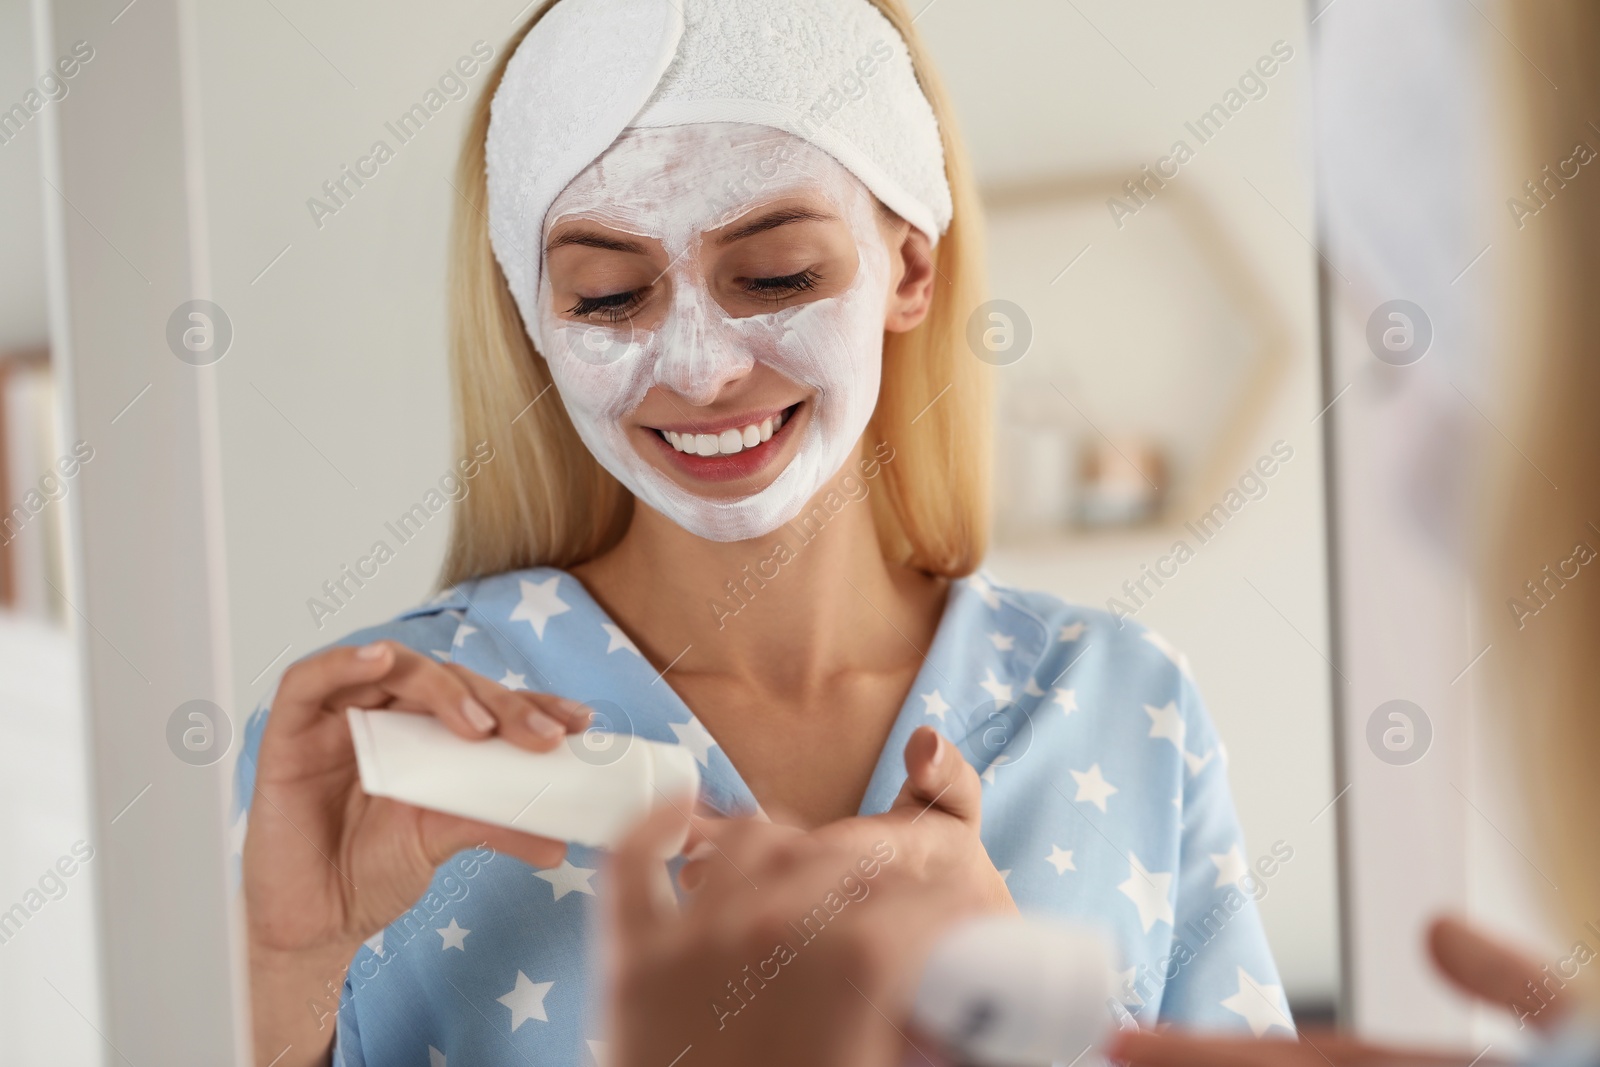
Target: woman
(713, 269)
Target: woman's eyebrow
(771, 221)
(589, 239)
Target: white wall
(44, 806)
(45, 813)
(125, 248)
(334, 398)
(22, 302)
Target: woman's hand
(932, 826)
(792, 950)
(325, 865)
(1176, 1048)
(1481, 966)
(1488, 969)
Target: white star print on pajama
(539, 604)
(454, 936)
(1105, 801)
(1093, 787)
(1230, 867)
(568, 879)
(526, 1001)
(616, 640)
(1262, 1006)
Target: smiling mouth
(730, 441)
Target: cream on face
(675, 186)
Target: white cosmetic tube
(1014, 991)
(590, 790)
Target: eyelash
(774, 288)
(615, 307)
(612, 308)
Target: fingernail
(477, 715)
(544, 725)
(938, 751)
(372, 651)
(576, 708)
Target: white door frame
(126, 245)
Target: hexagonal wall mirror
(1155, 356)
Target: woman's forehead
(689, 179)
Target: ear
(911, 276)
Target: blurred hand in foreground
(792, 949)
(1479, 965)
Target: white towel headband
(835, 73)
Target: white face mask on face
(672, 185)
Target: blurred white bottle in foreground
(1015, 991)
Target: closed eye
(612, 307)
(776, 288)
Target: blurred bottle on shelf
(1033, 476)
(33, 547)
(1121, 482)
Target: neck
(783, 612)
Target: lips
(727, 453)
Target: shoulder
(1069, 631)
(1104, 659)
(430, 627)
(434, 626)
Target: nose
(700, 355)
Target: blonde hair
(545, 500)
(1554, 263)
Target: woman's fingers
(1487, 968)
(469, 704)
(1176, 1048)
(535, 721)
(445, 835)
(739, 853)
(1139, 1048)
(387, 674)
(699, 813)
(307, 683)
(709, 837)
(640, 896)
(421, 683)
(938, 776)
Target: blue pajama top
(1105, 801)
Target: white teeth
(728, 442)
